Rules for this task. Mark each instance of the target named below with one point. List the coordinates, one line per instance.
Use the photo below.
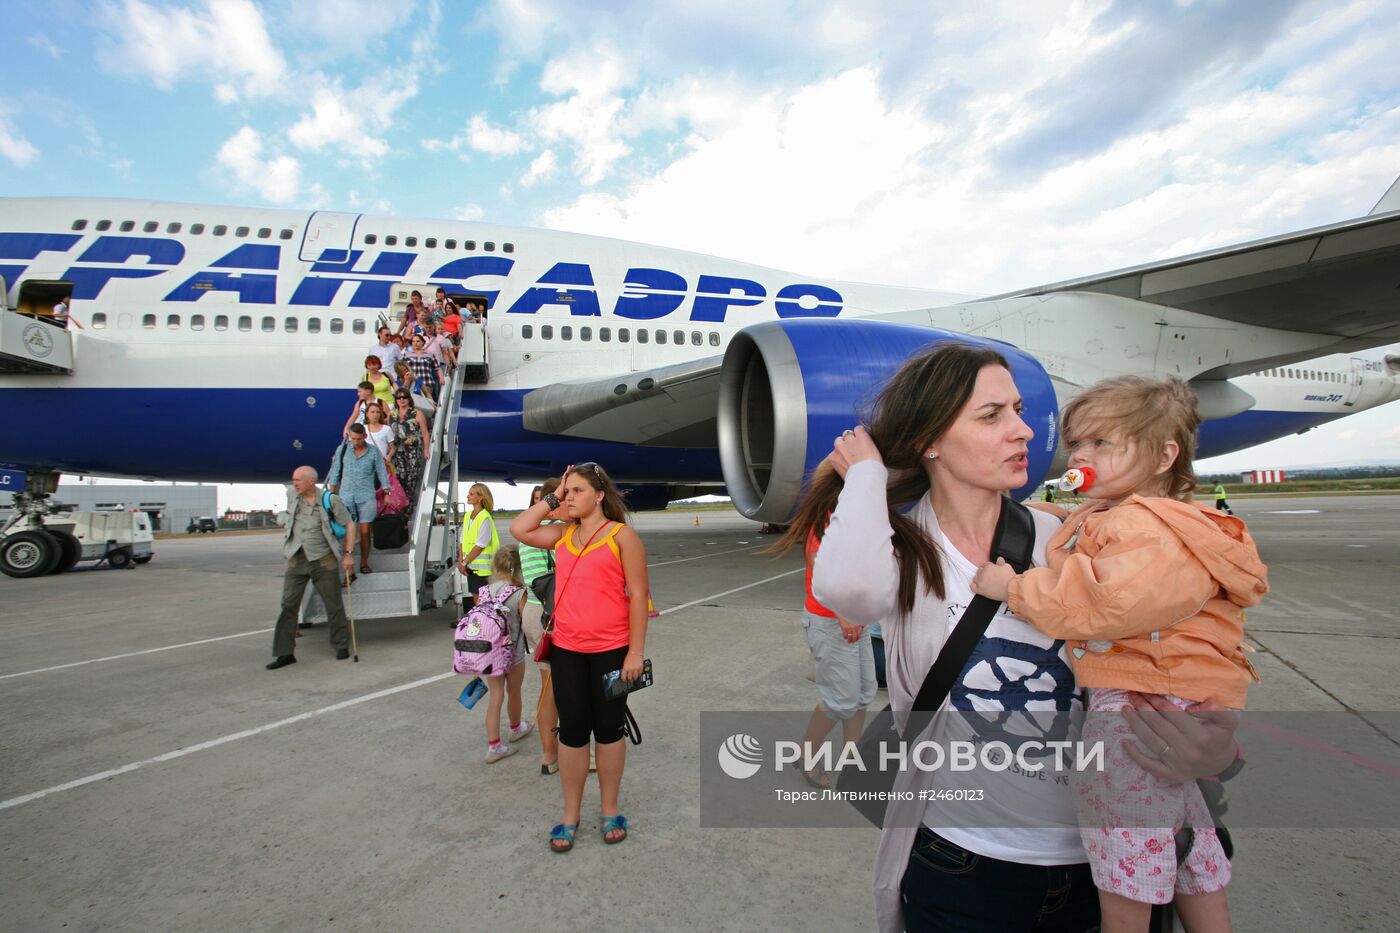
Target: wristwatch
(551, 500)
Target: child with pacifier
(1149, 590)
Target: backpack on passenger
(482, 644)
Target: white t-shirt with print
(1013, 667)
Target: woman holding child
(600, 625)
(914, 501)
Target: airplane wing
(670, 406)
(1342, 279)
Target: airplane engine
(788, 387)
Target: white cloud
(541, 168)
(348, 27)
(468, 212)
(13, 145)
(493, 140)
(45, 45)
(225, 42)
(276, 179)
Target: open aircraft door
(1354, 379)
(328, 231)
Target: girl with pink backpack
(496, 619)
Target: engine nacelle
(788, 387)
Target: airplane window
(605, 334)
(623, 335)
(507, 247)
(172, 228)
(286, 234)
(104, 225)
(151, 227)
(172, 322)
(661, 336)
(128, 225)
(79, 224)
(695, 338)
(371, 239)
(245, 323)
(241, 232)
(337, 326)
(566, 333)
(99, 320)
(678, 338)
(391, 241)
(221, 322)
(585, 333)
(410, 241)
(450, 244)
(469, 244)
(269, 325)
(313, 326)
(197, 322)
(358, 327)
(526, 331)
(264, 233)
(714, 339)
(489, 247)
(547, 332)
(148, 321)
(430, 242)
(290, 325)
(220, 230)
(642, 333)
(196, 229)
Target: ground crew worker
(479, 539)
(1220, 502)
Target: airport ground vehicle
(201, 525)
(32, 545)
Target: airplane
(223, 343)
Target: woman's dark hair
(919, 403)
(613, 507)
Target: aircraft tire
(120, 558)
(28, 554)
(70, 549)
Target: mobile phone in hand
(614, 686)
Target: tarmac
(154, 777)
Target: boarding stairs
(31, 344)
(419, 575)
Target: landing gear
(29, 554)
(70, 549)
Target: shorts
(531, 620)
(363, 508)
(845, 672)
(1128, 818)
(578, 695)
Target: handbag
(1014, 541)
(546, 644)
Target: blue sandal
(613, 824)
(562, 832)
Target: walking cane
(350, 613)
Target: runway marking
(302, 717)
(1293, 511)
(132, 654)
(264, 631)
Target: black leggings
(578, 695)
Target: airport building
(171, 507)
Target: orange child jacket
(1150, 595)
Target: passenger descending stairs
(418, 575)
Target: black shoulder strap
(1013, 540)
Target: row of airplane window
(268, 324)
(151, 226)
(286, 233)
(624, 335)
(1313, 374)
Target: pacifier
(1078, 479)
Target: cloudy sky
(972, 147)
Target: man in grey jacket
(314, 554)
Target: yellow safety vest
(481, 566)
(1219, 491)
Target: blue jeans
(951, 890)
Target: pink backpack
(482, 645)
